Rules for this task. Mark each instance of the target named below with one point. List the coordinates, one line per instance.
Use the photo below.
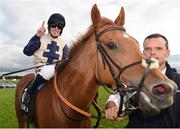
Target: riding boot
(30, 91)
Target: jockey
(45, 48)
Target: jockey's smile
(55, 32)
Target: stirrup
(24, 108)
(25, 101)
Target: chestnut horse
(98, 56)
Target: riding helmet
(57, 19)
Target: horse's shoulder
(61, 66)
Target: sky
(20, 19)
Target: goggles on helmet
(58, 25)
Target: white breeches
(47, 71)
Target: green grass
(8, 117)
(7, 108)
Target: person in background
(155, 46)
(45, 49)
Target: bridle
(122, 89)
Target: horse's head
(120, 64)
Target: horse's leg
(23, 124)
(21, 117)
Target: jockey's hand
(111, 111)
(41, 30)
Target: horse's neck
(78, 80)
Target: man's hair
(157, 35)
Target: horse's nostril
(160, 89)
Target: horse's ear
(120, 20)
(95, 15)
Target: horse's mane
(79, 43)
(75, 47)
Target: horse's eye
(111, 45)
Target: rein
(35, 67)
(87, 114)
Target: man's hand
(41, 30)
(111, 111)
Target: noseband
(122, 89)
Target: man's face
(156, 48)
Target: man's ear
(168, 53)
